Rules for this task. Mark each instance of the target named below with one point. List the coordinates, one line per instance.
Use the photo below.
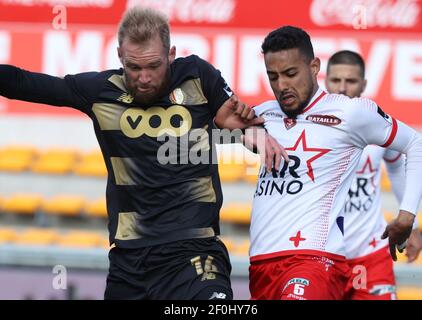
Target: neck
(316, 87)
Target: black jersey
(152, 196)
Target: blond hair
(140, 25)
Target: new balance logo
(218, 295)
(126, 98)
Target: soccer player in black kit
(163, 216)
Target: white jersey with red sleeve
(300, 208)
(364, 222)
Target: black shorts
(181, 270)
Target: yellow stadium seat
(242, 248)
(409, 293)
(16, 158)
(37, 236)
(229, 243)
(91, 164)
(252, 165)
(64, 205)
(97, 208)
(236, 213)
(80, 239)
(401, 257)
(251, 173)
(231, 166)
(251, 178)
(22, 203)
(7, 235)
(389, 216)
(231, 172)
(105, 243)
(55, 161)
(385, 181)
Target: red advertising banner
(389, 36)
(377, 15)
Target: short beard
(292, 114)
(154, 97)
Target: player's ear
(119, 53)
(315, 66)
(172, 54)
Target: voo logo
(156, 121)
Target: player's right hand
(398, 231)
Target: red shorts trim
(284, 253)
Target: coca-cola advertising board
(63, 36)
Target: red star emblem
(319, 153)
(297, 239)
(367, 168)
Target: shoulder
(95, 76)
(90, 84)
(267, 106)
(342, 101)
(192, 61)
(348, 107)
(192, 67)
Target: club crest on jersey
(289, 123)
(177, 96)
(326, 120)
(125, 98)
(384, 115)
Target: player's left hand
(398, 231)
(234, 114)
(414, 245)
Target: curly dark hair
(288, 37)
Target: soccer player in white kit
(297, 244)
(368, 257)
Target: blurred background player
(163, 218)
(364, 222)
(297, 243)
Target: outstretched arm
(19, 84)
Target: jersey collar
(317, 96)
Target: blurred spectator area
(52, 199)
